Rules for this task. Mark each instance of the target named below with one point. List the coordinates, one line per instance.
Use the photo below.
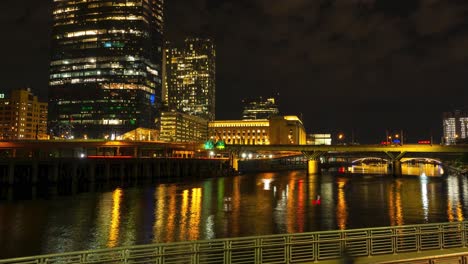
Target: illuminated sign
(208, 145)
(2, 96)
(424, 142)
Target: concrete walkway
(440, 256)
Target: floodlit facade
(189, 77)
(105, 69)
(259, 108)
(455, 125)
(273, 131)
(22, 116)
(287, 130)
(180, 127)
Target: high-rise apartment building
(189, 78)
(22, 116)
(259, 108)
(455, 126)
(105, 70)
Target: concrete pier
(313, 166)
(77, 174)
(396, 168)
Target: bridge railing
(287, 248)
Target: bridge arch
(370, 160)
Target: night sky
(365, 66)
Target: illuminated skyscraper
(259, 109)
(105, 70)
(455, 127)
(189, 84)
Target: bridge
(152, 149)
(313, 152)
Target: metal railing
(286, 248)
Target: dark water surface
(254, 204)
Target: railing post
(126, 254)
(369, 243)
(463, 233)
(343, 242)
(315, 247)
(258, 250)
(195, 253)
(227, 251)
(441, 236)
(418, 238)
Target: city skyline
(360, 67)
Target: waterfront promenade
(428, 243)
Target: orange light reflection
(115, 219)
(195, 210)
(341, 207)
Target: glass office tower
(190, 81)
(105, 70)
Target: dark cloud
(25, 26)
(383, 61)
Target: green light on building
(220, 144)
(208, 145)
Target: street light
(340, 138)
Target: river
(245, 205)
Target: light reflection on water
(254, 204)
